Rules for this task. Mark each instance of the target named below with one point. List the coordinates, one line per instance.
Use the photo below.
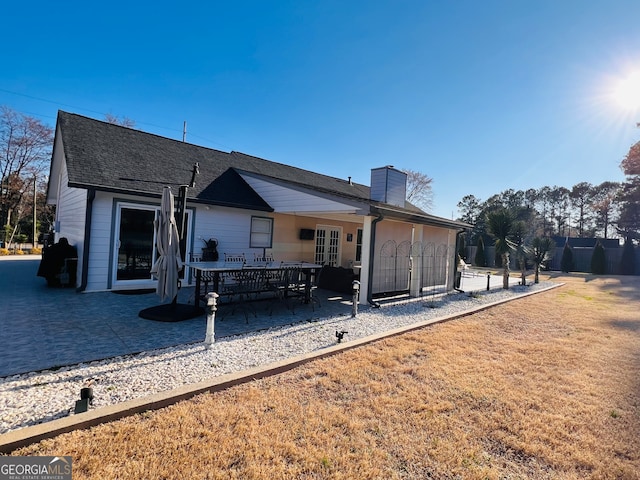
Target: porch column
(452, 259)
(364, 261)
(416, 270)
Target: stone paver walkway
(43, 327)
(48, 327)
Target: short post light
(488, 281)
(356, 293)
(86, 399)
(212, 301)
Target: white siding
(70, 214)
(229, 226)
(288, 200)
(101, 238)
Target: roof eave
(139, 193)
(388, 211)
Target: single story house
(106, 183)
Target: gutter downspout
(372, 244)
(91, 195)
(455, 263)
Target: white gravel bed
(39, 397)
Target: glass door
(135, 244)
(328, 245)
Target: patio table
(218, 268)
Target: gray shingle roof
(110, 157)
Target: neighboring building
(106, 182)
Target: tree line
(519, 222)
(584, 210)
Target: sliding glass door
(135, 245)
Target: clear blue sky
(455, 89)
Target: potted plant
(210, 250)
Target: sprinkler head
(340, 335)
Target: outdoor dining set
(239, 282)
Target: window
(261, 232)
(359, 245)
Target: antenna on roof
(184, 131)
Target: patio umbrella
(168, 266)
(169, 262)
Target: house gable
(289, 198)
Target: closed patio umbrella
(168, 266)
(169, 262)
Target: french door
(328, 245)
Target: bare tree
(419, 189)
(123, 122)
(25, 152)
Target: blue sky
(458, 90)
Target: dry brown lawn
(542, 387)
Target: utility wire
(75, 107)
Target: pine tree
(480, 259)
(566, 264)
(462, 248)
(598, 260)
(628, 260)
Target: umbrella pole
(182, 215)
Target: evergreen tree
(462, 248)
(480, 259)
(501, 224)
(566, 264)
(628, 260)
(598, 260)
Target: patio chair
(277, 282)
(206, 278)
(296, 285)
(235, 258)
(241, 286)
(263, 258)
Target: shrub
(480, 259)
(566, 264)
(36, 251)
(628, 260)
(598, 260)
(19, 252)
(4, 251)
